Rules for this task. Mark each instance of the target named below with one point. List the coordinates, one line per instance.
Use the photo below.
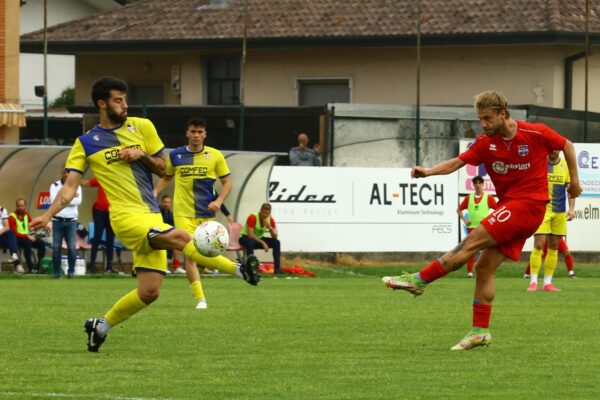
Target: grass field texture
(340, 335)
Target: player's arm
(226, 184)
(5, 226)
(443, 168)
(569, 151)
(161, 185)
(272, 227)
(157, 164)
(63, 199)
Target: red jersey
(101, 203)
(517, 167)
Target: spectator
(19, 223)
(64, 226)
(166, 204)
(478, 204)
(101, 217)
(8, 240)
(252, 235)
(301, 155)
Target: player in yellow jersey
(196, 167)
(123, 153)
(554, 226)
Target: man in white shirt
(8, 240)
(64, 226)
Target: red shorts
(513, 222)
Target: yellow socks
(124, 308)
(197, 290)
(221, 263)
(535, 263)
(550, 265)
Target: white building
(61, 68)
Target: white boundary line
(78, 396)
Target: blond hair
(492, 99)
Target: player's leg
(57, 236)
(535, 260)
(181, 240)
(275, 244)
(70, 231)
(550, 263)
(485, 291)
(569, 262)
(148, 290)
(193, 277)
(471, 261)
(453, 260)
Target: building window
(145, 93)
(223, 81)
(321, 91)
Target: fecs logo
(584, 160)
(442, 229)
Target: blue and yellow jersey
(195, 174)
(128, 186)
(558, 178)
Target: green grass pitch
(340, 335)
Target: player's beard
(115, 117)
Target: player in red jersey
(515, 155)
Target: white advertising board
(330, 209)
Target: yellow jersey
(195, 174)
(558, 178)
(128, 186)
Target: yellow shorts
(553, 224)
(134, 231)
(189, 224)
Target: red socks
(432, 272)
(470, 264)
(569, 262)
(481, 315)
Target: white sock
(103, 327)
(547, 280)
(238, 271)
(533, 278)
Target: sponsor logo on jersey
(501, 168)
(492, 147)
(193, 171)
(112, 155)
(523, 150)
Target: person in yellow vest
(554, 225)
(253, 236)
(478, 206)
(19, 223)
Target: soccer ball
(211, 238)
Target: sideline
(78, 396)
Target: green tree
(66, 98)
